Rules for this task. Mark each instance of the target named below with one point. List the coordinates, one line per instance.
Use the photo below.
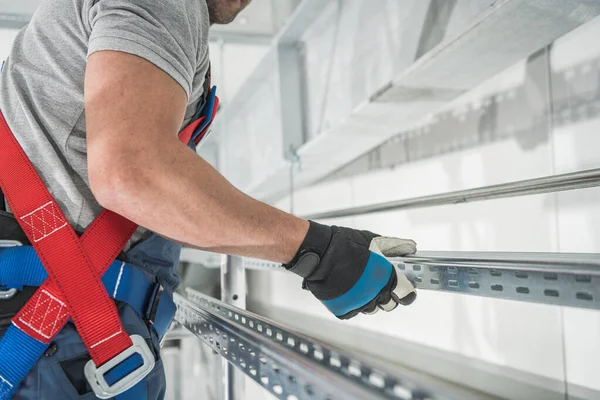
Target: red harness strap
(74, 264)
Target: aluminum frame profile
(547, 184)
(564, 279)
(295, 367)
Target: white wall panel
(575, 61)
(251, 142)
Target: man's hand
(347, 271)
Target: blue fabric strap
(18, 354)
(20, 266)
(123, 369)
(376, 275)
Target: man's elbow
(113, 183)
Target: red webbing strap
(74, 287)
(212, 118)
(186, 134)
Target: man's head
(225, 11)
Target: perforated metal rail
(295, 367)
(552, 278)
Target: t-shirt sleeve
(163, 32)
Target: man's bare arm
(139, 169)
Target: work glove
(347, 271)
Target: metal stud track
(295, 367)
(550, 278)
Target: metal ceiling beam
(232, 37)
(509, 31)
(14, 21)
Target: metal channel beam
(564, 279)
(13, 21)
(295, 367)
(547, 184)
(233, 291)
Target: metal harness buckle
(10, 293)
(95, 375)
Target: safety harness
(77, 276)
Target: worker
(102, 104)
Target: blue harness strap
(20, 266)
(18, 354)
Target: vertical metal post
(233, 291)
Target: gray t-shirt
(41, 85)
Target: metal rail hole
(304, 348)
(318, 354)
(253, 371)
(402, 266)
(355, 370)
(584, 296)
(402, 393)
(279, 337)
(521, 275)
(583, 278)
(472, 271)
(523, 290)
(474, 285)
(251, 324)
(418, 279)
(269, 332)
(452, 270)
(497, 288)
(242, 363)
(278, 389)
(291, 342)
(309, 390)
(377, 380)
(495, 272)
(551, 293)
(259, 328)
(262, 360)
(550, 276)
(264, 379)
(453, 283)
(292, 397)
(335, 362)
(434, 281)
(416, 267)
(433, 269)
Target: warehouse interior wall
(539, 117)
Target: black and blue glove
(347, 271)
